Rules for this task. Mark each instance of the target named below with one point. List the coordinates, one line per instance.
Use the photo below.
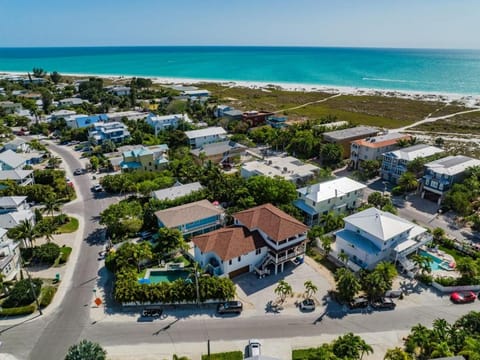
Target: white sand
(466, 100)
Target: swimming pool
(435, 262)
(158, 276)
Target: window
(150, 163)
(258, 251)
(239, 259)
(229, 262)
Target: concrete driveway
(257, 293)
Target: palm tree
(283, 290)
(396, 354)
(388, 272)
(47, 228)
(350, 346)
(343, 257)
(374, 285)
(403, 143)
(441, 349)
(422, 263)
(326, 242)
(50, 205)
(419, 341)
(331, 221)
(347, 284)
(24, 231)
(310, 288)
(54, 162)
(408, 182)
(467, 268)
(470, 348)
(86, 350)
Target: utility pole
(32, 289)
(197, 287)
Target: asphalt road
(48, 337)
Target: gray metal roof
(177, 191)
(12, 159)
(217, 148)
(354, 132)
(15, 174)
(11, 201)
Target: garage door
(240, 271)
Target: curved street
(48, 337)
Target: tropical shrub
(47, 294)
(21, 294)
(86, 350)
(46, 253)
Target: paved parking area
(257, 293)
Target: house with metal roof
(17, 145)
(440, 175)
(10, 160)
(286, 167)
(150, 158)
(20, 177)
(261, 238)
(395, 163)
(340, 196)
(164, 122)
(346, 136)
(372, 235)
(198, 138)
(83, 121)
(219, 152)
(13, 203)
(177, 191)
(103, 131)
(12, 219)
(193, 218)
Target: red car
(462, 297)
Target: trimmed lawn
(301, 354)
(70, 227)
(65, 252)
(231, 355)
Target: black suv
(230, 307)
(152, 312)
(358, 303)
(384, 303)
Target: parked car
(97, 188)
(384, 303)
(78, 171)
(152, 312)
(254, 347)
(358, 303)
(462, 297)
(102, 255)
(230, 307)
(394, 293)
(307, 305)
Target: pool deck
(447, 258)
(166, 267)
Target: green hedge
(46, 296)
(21, 310)
(231, 355)
(65, 252)
(301, 354)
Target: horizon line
(239, 46)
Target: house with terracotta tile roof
(262, 237)
(373, 148)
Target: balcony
(290, 255)
(287, 242)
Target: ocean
(414, 70)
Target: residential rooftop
(187, 213)
(381, 140)
(350, 133)
(287, 167)
(416, 151)
(177, 191)
(215, 130)
(12, 159)
(277, 224)
(452, 165)
(331, 189)
(217, 148)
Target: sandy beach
(462, 99)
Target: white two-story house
(262, 237)
(210, 135)
(372, 235)
(9, 256)
(164, 122)
(339, 195)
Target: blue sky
(375, 23)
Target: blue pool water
(167, 276)
(427, 70)
(434, 261)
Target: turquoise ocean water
(436, 71)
